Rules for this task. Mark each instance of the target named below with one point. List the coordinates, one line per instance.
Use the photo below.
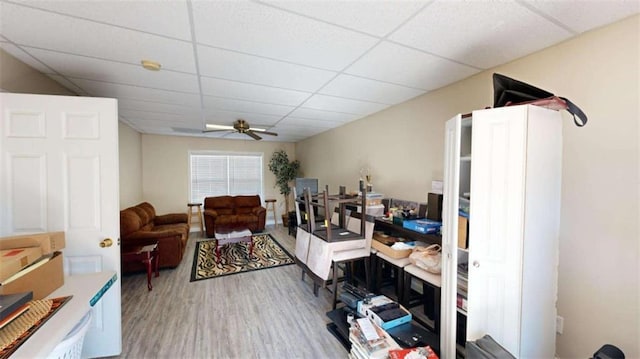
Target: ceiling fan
(240, 126)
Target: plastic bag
(428, 258)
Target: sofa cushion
(144, 216)
(149, 209)
(129, 222)
(223, 205)
(247, 202)
(246, 218)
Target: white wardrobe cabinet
(507, 163)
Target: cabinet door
(450, 237)
(496, 225)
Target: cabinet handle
(476, 264)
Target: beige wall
(165, 167)
(130, 151)
(16, 76)
(599, 272)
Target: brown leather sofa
(226, 213)
(139, 225)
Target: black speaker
(434, 203)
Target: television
(302, 183)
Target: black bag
(508, 91)
(608, 351)
(487, 348)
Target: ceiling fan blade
(262, 130)
(218, 127)
(253, 135)
(220, 130)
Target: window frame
(227, 154)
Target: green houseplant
(285, 172)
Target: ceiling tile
(408, 67)
(326, 116)
(480, 33)
(168, 18)
(258, 93)
(337, 104)
(589, 14)
(116, 72)
(107, 89)
(302, 132)
(177, 119)
(235, 66)
(303, 123)
(42, 29)
(216, 103)
(147, 106)
(277, 34)
(377, 18)
(369, 90)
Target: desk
(83, 287)
(396, 230)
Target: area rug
(235, 258)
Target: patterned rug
(234, 258)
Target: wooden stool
(198, 214)
(272, 202)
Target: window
(219, 174)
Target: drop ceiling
(297, 68)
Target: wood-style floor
(267, 313)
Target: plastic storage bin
(71, 346)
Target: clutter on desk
(384, 312)
(21, 328)
(32, 263)
(413, 353)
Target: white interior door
(59, 161)
(496, 241)
(450, 238)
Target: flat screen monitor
(302, 183)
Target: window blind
(225, 174)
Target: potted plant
(285, 172)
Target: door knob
(107, 242)
(476, 264)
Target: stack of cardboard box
(31, 263)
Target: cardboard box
(49, 242)
(14, 260)
(42, 278)
(463, 232)
(383, 245)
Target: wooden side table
(148, 255)
(197, 214)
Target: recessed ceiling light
(151, 65)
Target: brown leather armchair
(227, 213)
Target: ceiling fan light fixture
(151, 65)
